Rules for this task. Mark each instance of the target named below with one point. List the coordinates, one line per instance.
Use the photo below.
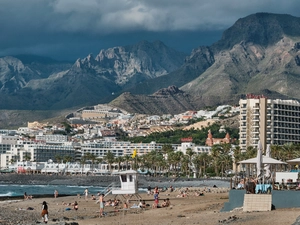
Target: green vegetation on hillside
(174, 137)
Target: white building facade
(271, 121)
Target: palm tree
(251, 152)
(237, 156)
(166, 149)
(27, 156)
(12, 161)
(177, 159)
(110, 158)
(190, 153)
(289, 150)
(82, 163)
(58, 158)
(119, 160)
(127, 159)
(206, 159)
(67, 159)
(185, 164)
(215, 153)
(197, 161)
(93, 158)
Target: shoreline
(104, 181)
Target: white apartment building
(37, 152)
(51, 138)
(272, 121)
(118, 148)
(7, 139)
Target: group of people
(102, 203)
(166, 202)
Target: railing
(109, 188)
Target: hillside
(167, 100)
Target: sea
(18, 190)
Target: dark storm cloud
(73, 28)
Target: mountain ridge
(258, 53)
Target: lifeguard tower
(129, 184)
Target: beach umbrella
(259, 159)
(265, 160)
(267, 166)
(294, 161)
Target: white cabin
(129, 184)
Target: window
(123, 178)
(130, 178)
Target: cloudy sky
(69, 29)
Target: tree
(127, 159)
(177, 159)
(110, 158)
(119, 160)
(82, 163)
(166, 149)
(190, 153)
(197, 161)
(67, 159)
(27, 156)
(58, 158)
(216, 153)
(237, 156)
(93, 158)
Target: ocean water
(18, 190)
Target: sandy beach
(183, 210)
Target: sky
(71, 29)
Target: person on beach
(25, 196)
(55, 193)
(142, 204)
(149, 190)
(101, 200)
(86, 194)
(166, 203)
(75, 205)
(155, 204)
(45, 212)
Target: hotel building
(272, 121)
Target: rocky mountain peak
(9, 63)
(261, 28)
(171, 90)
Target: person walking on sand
(101, 200)
(55, 194)
(45, 212)
(86, 194)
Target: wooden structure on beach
(129, 184)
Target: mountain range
(259, 54)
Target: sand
(188, 210)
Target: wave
(74, 186)
(10, 193)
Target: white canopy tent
(294, 161)
(265, 160)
